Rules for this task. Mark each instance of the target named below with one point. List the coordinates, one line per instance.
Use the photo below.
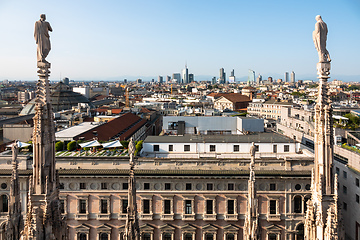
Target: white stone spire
(322, 218)
(132, 222)
(251, 228)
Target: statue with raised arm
(42, 38)
(319, 37)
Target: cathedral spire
(15, 222)
(44, 219)
(322, 218)
(132, 222)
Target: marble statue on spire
(319, 38)
(42, 38)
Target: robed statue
(319, 37)
(42, 38)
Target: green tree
(138, 147)
(71, 146)
(59, 146)
(125, 143)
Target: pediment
(188, 227)
(147, 227)
(210, 227)
(167, 227)
(104, 228)
(231, 227)
(273, 228)
(82, 228)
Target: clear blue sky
(95, 40)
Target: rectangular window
(188, 186)
(236, 148)
(337, 171)
(103, 185)
(104, 206)
(345, 174)
(256, 148)
(62, 186)
(82, 185)
(272, 206)
(146, 186)
(167, 186)
(345, 206)
(209, 206)
(125, 186)
(357, 198)
(231, 207)
(231, 186)
(357, 182)
(146, 206)
(186, 148)
(272, 186)
(188, 208)
(167, 206)
(274, 148)
(62, 205)
(212, 148)
(171, 148)
(156, 148)
(286, 148)
(82, 206)
(344, 189)
(125, 204)
(209, 186)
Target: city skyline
(116, 40)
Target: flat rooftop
(75, 130)
(259, 137)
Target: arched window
(188, 236)
(230, 236)
(209, 236)
(4, 203)
(297, 204)
(82, 236)
(104, 236)
(166, 236)
(146, 236)
(272, 236)
(300, 232)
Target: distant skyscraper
(185, 75)
(213, 80)
(292, 76)
(160, 79)
(286, 77)
(258, 80)
(66, 81)
(222, 77)
(152, 80)
(177, 77)
(232, 78)
(138, 80)
(168, 79)
(270, 79)
(125, 80)
(251, 77)
(191, 77)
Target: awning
(94, 143)
(19, 144)
(112, 144)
